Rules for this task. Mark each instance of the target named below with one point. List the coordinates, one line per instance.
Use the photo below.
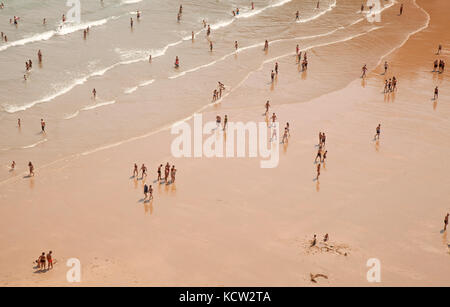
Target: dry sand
(227, 222)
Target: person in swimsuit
(145, 191)
(319, 155)
(272, 75)
(31, 168)
(40, 56)
(364, 70)
(401, 9)
(193, 35)
(131, 22)
(225, 122)
(274, 118)
(266, 45)
(159, 172)
(177, 62)
(446, 222)
(144, 171)
(439, 49)
(378, 131)
(236, 45)
(208, 31)
(94, 93)
(42, 261)
(166, 172)
(318, 171)
(314, 241)
(42, 125)
(173, 172)
(325, 238)
(297, 15)
(324, 155)
(135, 171)
(210, 46)
(150, 192)
(276, 68)
(218, 121)
(385, 67)
(49, 260)
(13, 165)
(267, 107)
(436, 93)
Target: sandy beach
(229, 222)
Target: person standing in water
(159, 172)
(18, 122)
(145, 191)
(297, 15)
(144, 171)
(225, 122)
(276, 68)
(236, 45)
(266, 45)
(210, 46)
(177, 62)
(94, 93)
(40, 56)
(272, 75)
(131, 22)
(135, 171)
(13, 165)
(401, 9)
(43, 125)
(446, 222)
(436, 93)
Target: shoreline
(236, 218)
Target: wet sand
(236, 224)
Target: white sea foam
(35, 144)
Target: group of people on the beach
(148, 189)
(321, 153)
(44, 262)
(326, 238)
(219, 122)
(438, 66)
(217, 93)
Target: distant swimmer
(297, 15)
(436, 93)
(324, 155)
(446, 222)
(401, 9)
(94, 93)
(236, 45)
(42, 125)
(25, 77)
(378, 132)
(237, 11)
(40, 56)
(31, 169)
(204, 23)
(180, 11)
(84, 33)
(166, 172)
(364, 70)
(150, 192)
(177, 62)
(178, 17)
(274, 118)
(266, 45)
(319, 155)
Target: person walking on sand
(267, 107)
(40, 56)
(144, 171)
(31, 169)
(150, 192)
(364, 70)
(42, 125)
(266, 45)
(177, 62)
(166, 172)
(173, 172)
(446, 222)
(94, 93)
(135, 171)
(285, 136)
(436, 93)
(274, 118)
(225, 122)
(145, 191)
(49, 260)
(378, 131)
(159, 172)
(324, 156)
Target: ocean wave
(63, 29)
(35, 144)
(135, 88)
(329, 9)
